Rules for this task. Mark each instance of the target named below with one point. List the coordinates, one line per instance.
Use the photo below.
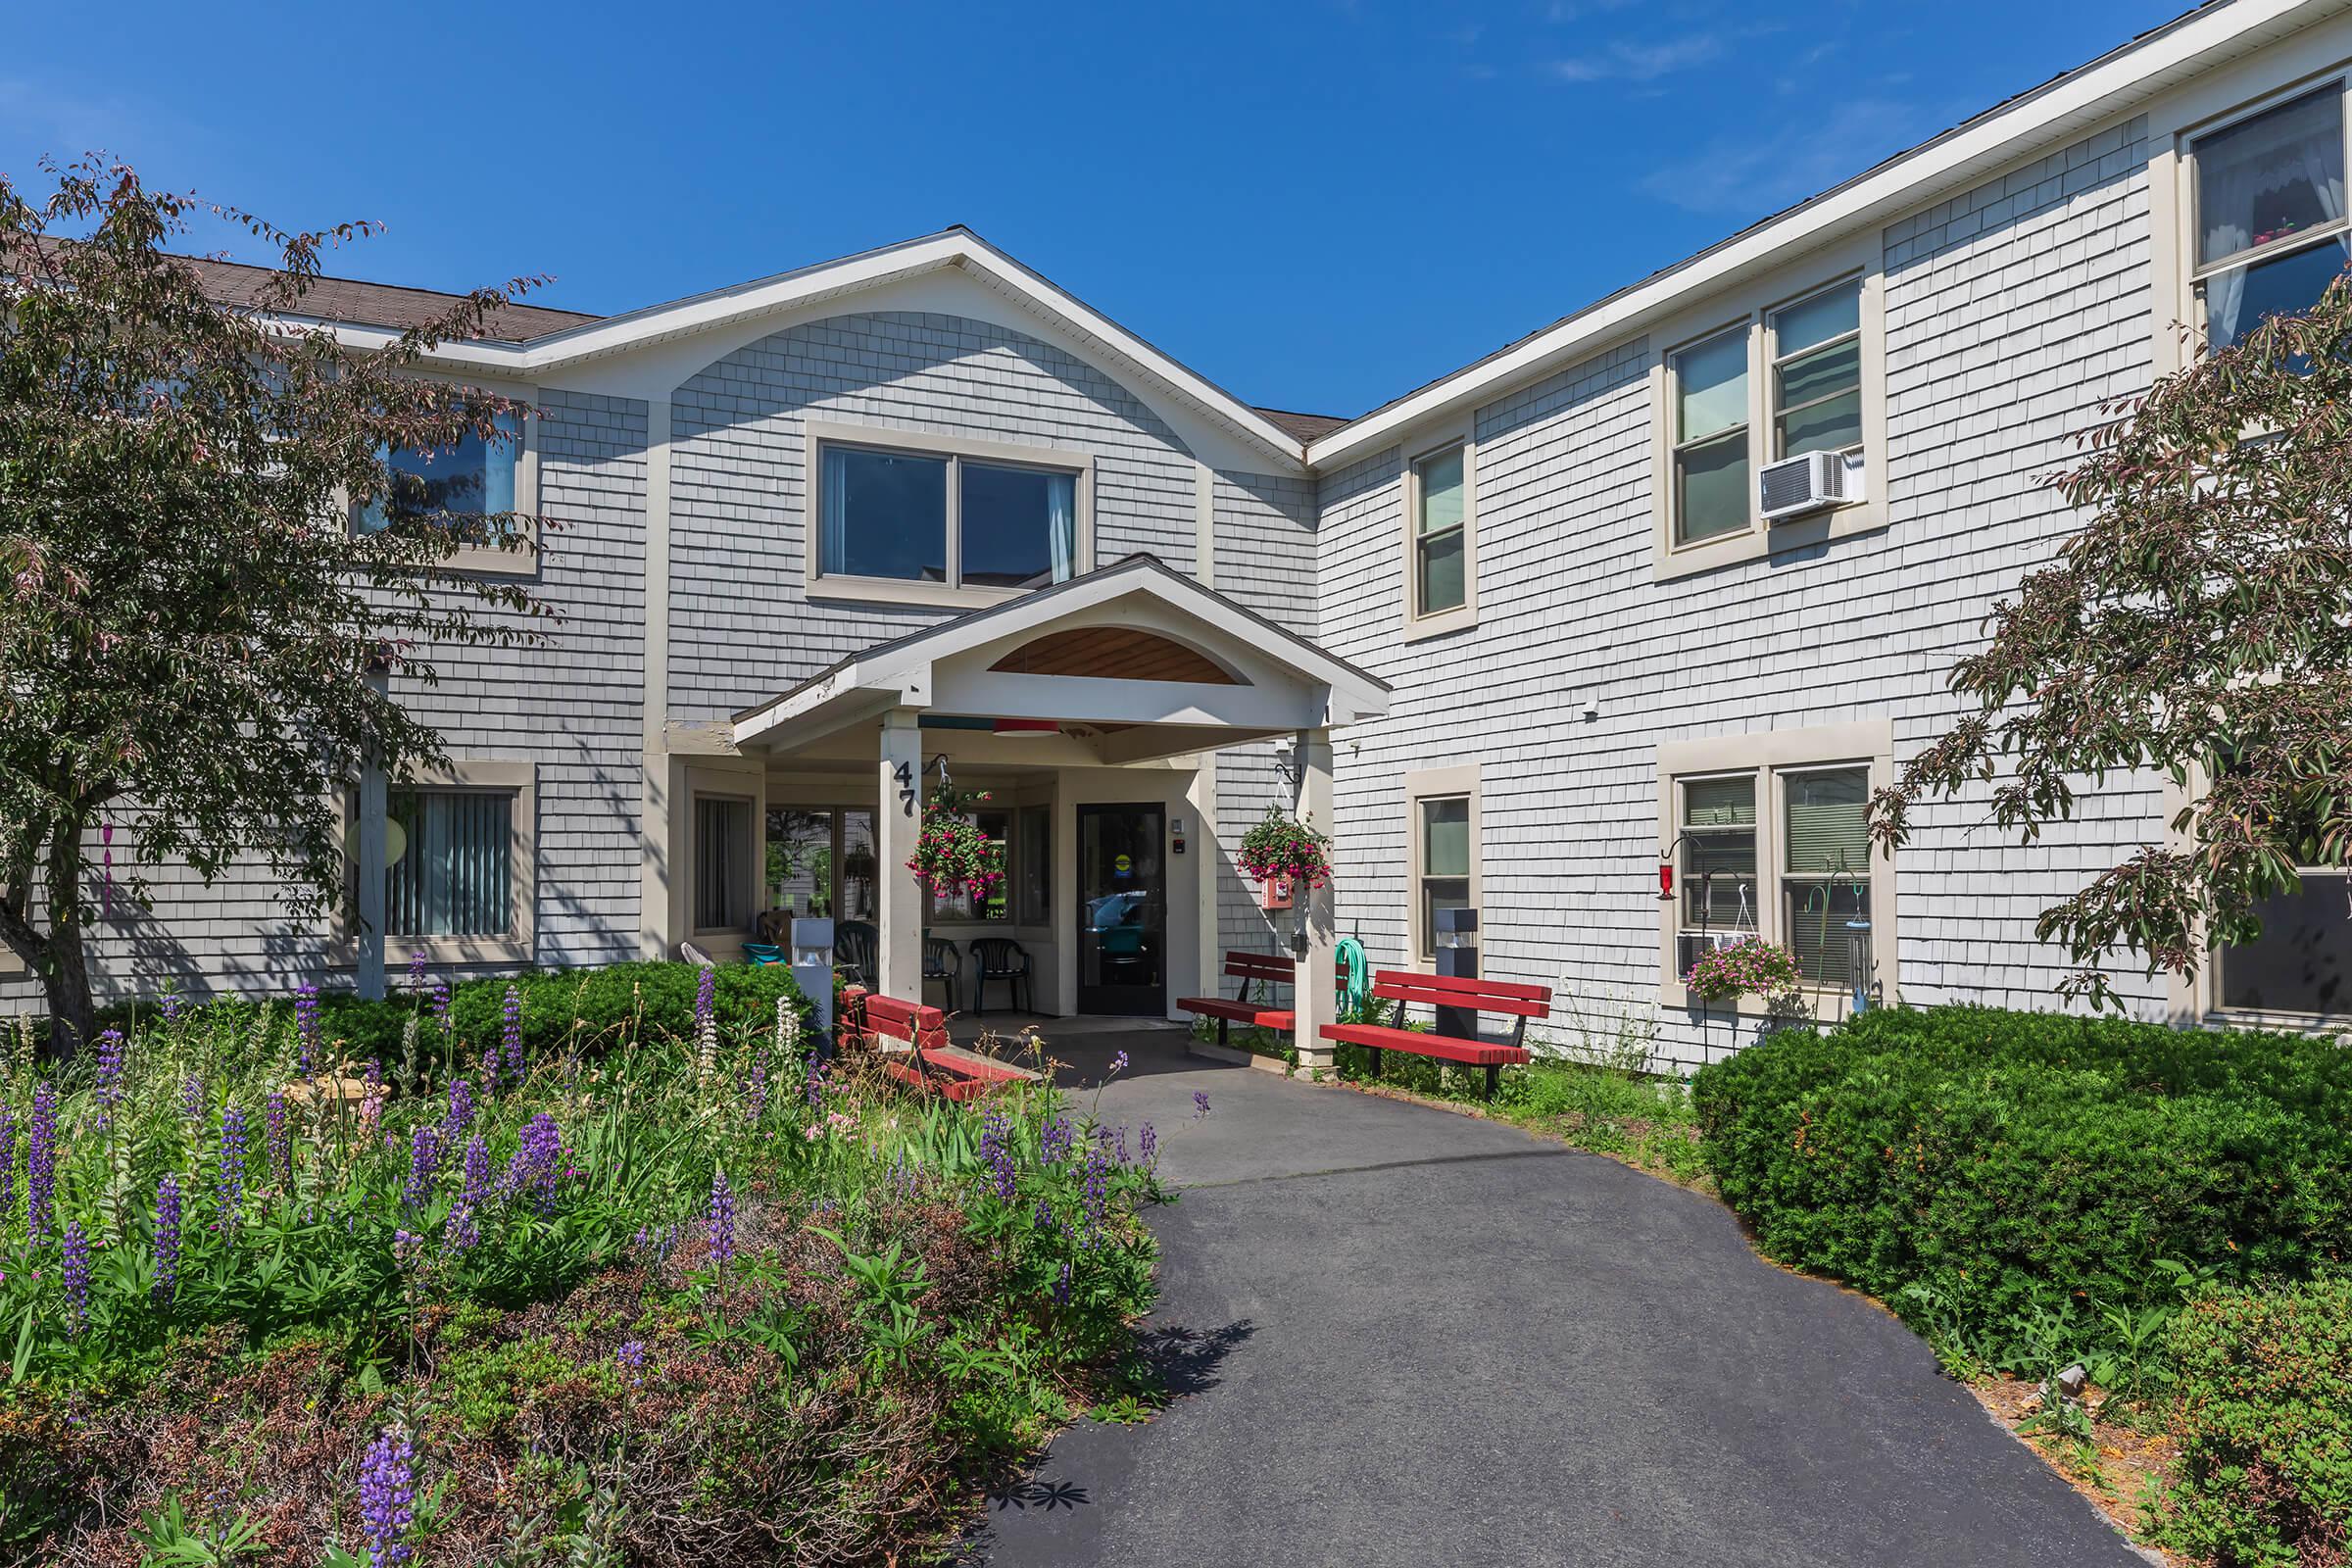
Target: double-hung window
(1771, 839)
(1444, 869)
(894, 519)
(2270, 227)
(1710, 447)
(1792, 377)
(1440, 526)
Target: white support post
(898, 819)
(370, 980)
(1311, 1002)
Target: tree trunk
(72, 1015)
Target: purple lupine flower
(232, 1163)
(538, 1162)
(77, 1278)
(167, 1237)
(191, 1098)
(1054, 1145)
(511, 1033)
(1044, 1218)
(631, 1356)
(109, 1092)
(441, 1001)
(705, 999)
(1119, 1144)
(1061, 1286)
(996, 1152)
(407, 1249)
(374, 1073)
(474, 1192)
(8, 1164)
(425, 1165)
(655, 1244)
(41, 1166)
(455, 1125)
(755, 1089)
(416, 971)
(388, 1497)
(817, 1083)
(1118, 1066)
(170, 1004)
(273, 1135)
(490, 1069)
(1146, 1144)
(722, 1220)
(1200, 1103)
(306, 1026)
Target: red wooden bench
(1271, 969)
(928, 1063)
(1405, 986)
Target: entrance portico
(1089, 714)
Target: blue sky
(1319, 204)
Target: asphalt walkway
(1408, 1337)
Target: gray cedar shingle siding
(741, 628)
(2013, 312)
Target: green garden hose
(1356, 970)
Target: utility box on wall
(1456, 938)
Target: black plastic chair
(943, 963)
(854, 949)
(1002, 958)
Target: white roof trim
(2099, 91)
(808, 285)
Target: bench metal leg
(1221, 1033)
(1375, 1049)
(1494, 1078)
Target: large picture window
(950, 518)
(2271, 228)
(454, 875)
(476, 479)
(820, 861)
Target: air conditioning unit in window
(1795, 486)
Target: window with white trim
(820, 861)
(722, 864)
(2301, 964)
(1443, 859)
(2271, 230)
(951, 518)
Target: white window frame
(818, 583)
(1751, 311)
(1431, 445)
(1770, 757)
(1458, 782)
(520, 946)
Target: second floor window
(959, 521)
(1439, 521)
(476, 479)
(1710, 445)
(2270, 199)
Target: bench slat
(1453, 990)
(1474, 1052)
(1271, 966)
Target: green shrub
(561, 1007)
(2011, 1182)
(2266, 1428)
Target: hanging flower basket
(952, 855)
(1288, 856)
(1750, 966)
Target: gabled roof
(389, 304)
(886, 666)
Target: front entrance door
(1122, 910)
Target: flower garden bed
(653, 1297)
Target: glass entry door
(1122, 910)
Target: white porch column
(897, 818)
(1310, 996)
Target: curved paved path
(1414, 1338)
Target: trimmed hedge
(1985, 1171)
(2265, 1386)
(560, 1006)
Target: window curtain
(834, 525)
(721, 855)
(455, 877)
(2297, 147)
(1061, 524)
